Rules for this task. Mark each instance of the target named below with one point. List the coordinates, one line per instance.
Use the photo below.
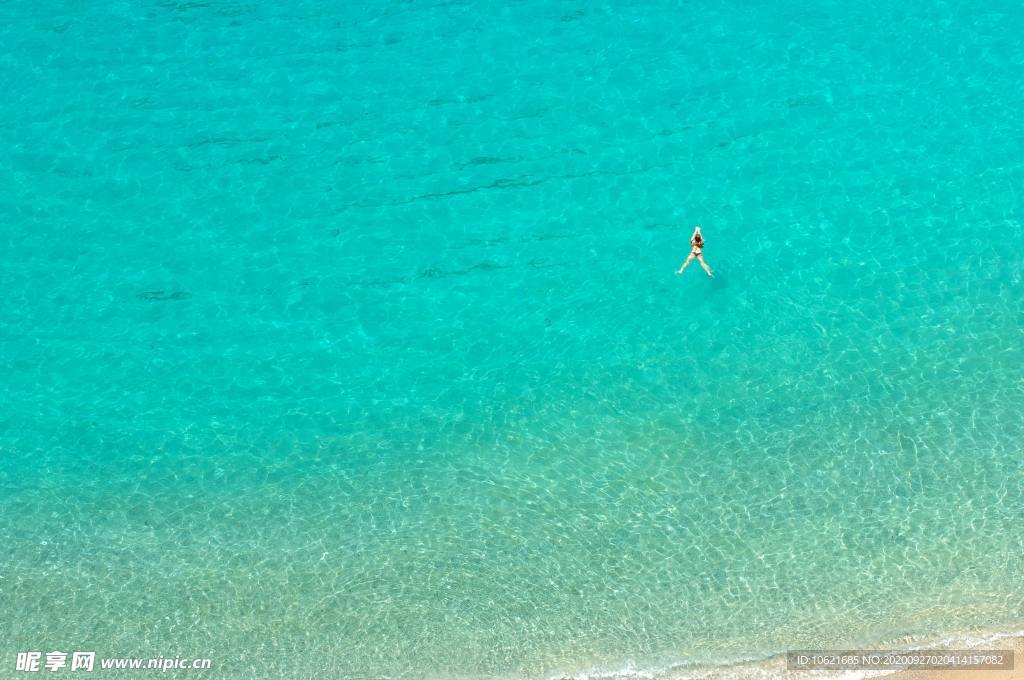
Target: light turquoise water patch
(343, 340)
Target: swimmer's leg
(688, 261)
(700, 258)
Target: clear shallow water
(345, 340)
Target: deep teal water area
(342, 339)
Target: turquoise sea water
(342, 339)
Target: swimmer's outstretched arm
(696, 230)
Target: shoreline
(1011, 641)
(774, 667)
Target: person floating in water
(697, 247)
